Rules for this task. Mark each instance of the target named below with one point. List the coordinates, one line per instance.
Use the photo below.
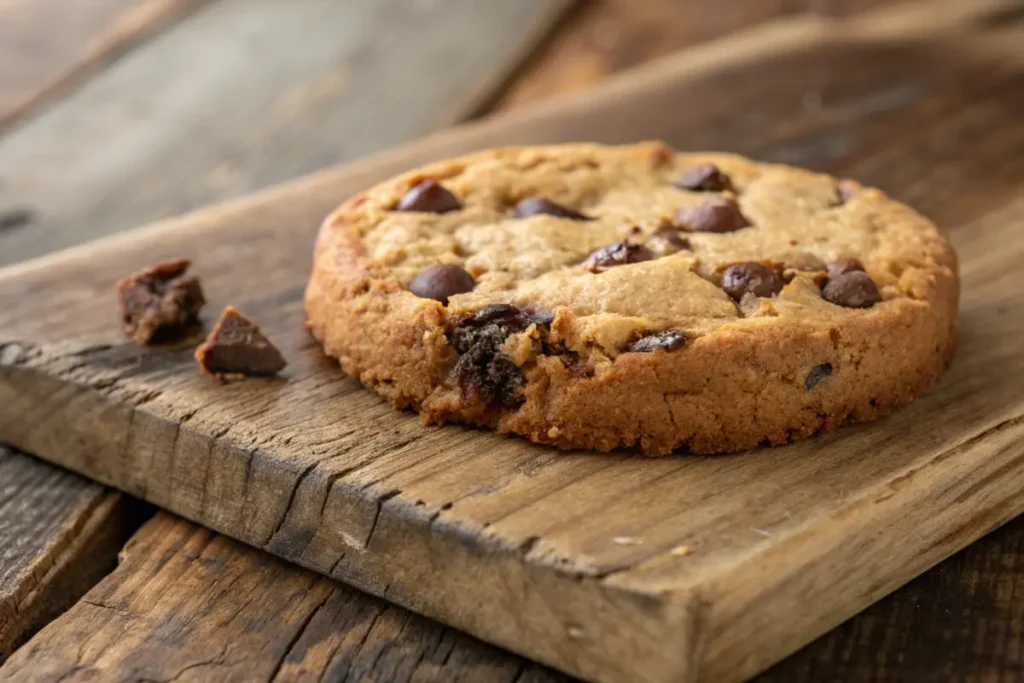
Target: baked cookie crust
(599, 297)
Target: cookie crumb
(626, 540)
(159, 302)
(236, 348)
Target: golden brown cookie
(603, 297)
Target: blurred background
(115, 113)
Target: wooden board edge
(76, 559)
(952, 481)
(414, 550)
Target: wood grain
(47, 45)
(186, 604)
(59, 534)
(184, 121)
(284, 474)
(190, 603)
(607, 36)
(962, 621)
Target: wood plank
(187, 604)
(48, 45)
(319, 510)
(182, 593)
(607, 36)
(59, 534)
(186, 121)
(962, 621)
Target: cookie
(616, 297)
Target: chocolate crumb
(482, 370)
(160, 302)
(236, 346)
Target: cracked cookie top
(638, 248)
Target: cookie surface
(603, 297)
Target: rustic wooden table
(115, 113)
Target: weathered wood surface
(833, 115)
(961, 621)
(190, 603)
(186, 604)
(222, 104)
(602, 37)
(58, 535)
(47, 45)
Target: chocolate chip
(843, 266)
(236, 346)
(703, 178)
(667, 240)
(855, 289)
(618, 254)
(534, 206)
(159, 302)
(717, 214)
(441, 282)
(816, 374)
(666, 340)
(429, 196)
(755, 278)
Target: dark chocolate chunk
(14, 219)
(816, 374)
(441, 281)
(533, 206)
(236, 346)
(703, 178)
(844, 266)
(755, 278)
(482, 370)
(618, 254)
(666, 340)
(429, 196)
(855, 289)
(667, 240)
(716, 214)
(159, 302)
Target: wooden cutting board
(610, 567)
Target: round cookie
(603, 297)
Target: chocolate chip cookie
(604, 297)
